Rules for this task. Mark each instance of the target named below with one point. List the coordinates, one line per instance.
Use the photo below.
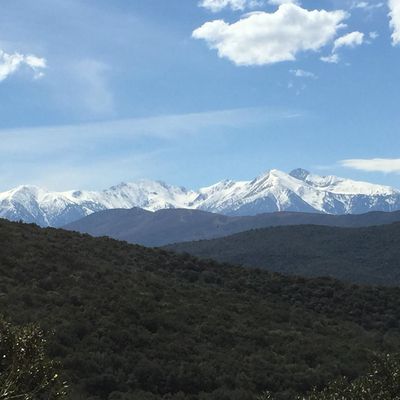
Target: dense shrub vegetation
(137, 323)
(369, 255)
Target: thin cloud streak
(98, 154)
(161, 127)
(386, 165)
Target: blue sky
(95, 92)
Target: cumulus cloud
(218, 5)
(352, 39)
(10, 63)
(394, 14)
(386, 165)
(300, 73)
(263, 38)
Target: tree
(25, 370)
(381, 383)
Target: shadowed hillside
(137, 323)
(368, 255)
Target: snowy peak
(272, 191)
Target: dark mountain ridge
(182, 225)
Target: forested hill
(145, 324)
(369, 255)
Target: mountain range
(164, 227)
(272, 191)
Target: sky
(191, 92)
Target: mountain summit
(300, 173)
(272, 191)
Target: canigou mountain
(272, 191)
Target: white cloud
(394, 14)
(386, 165)
(280, 2)
(373, 35)
(332, 59)
(360, 4)
(10, 63)
(352, 39)
(300, 73)
(218, 5)
(265, 38)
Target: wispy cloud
(236, 5)
(95, 94)
(386, 165)
(351, 40)
(280, 2)
(300, 73)
(332, 58)
(99, 154)
(366, 5)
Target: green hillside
(369, 255)
(137, 323)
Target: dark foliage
(137, 323)
(368, 255)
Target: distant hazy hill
(144, 324)
(182, 225)
(368, 255)
(272, 191)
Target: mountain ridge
(169, 226)
(272, 191)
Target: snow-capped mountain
(272, 191)
(33, 204)
(298, 191)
